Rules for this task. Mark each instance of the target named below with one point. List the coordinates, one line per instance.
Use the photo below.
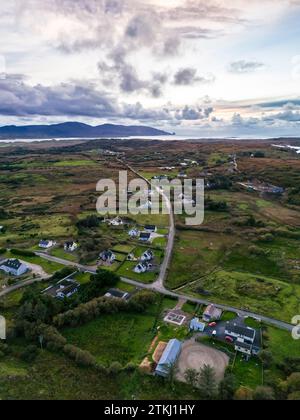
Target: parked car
(214, 333)
(229, 339)
(212, 324)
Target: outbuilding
(169, 357)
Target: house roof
(169, 356)
(145, 235)
(212, 311)
(13, 264)
(150, 227)
(197, 324)
(116, 293)
(63, 287)
(246, 332)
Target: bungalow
(240, 332)
(145, 237)
(46, 244)
(150, 228)
(70, 246)
(147, 256)
(117, 294)
(14, 267)
(62, 290)
(168, 358)
(142, 267)
(107, 256)
(212, 313)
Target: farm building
(212, 313)
(14, 267)
(169, 357)
(197, 325)
(63, 289)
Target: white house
(243, 347)
(134, 233)
(64, 289)
(46, 244)
(147, 256)
(14, 267)
(70, 246)
(107, 256)
(116, 222)
(142, 267)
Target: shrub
(29, 354)
(22, 253)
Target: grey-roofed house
(14, 267)
(145, 237)
(240, 332)
(117, 294)
(212, 313)
(64, 289)
(168, 358)
(150, 228)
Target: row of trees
(93, 309)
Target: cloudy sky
(201, 67)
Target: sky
(194, 67)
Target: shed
(197, 325)
(169, 357)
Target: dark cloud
(188, 76)
(193, 114)
(81, 99)
(243, 66)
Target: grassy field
(53, 377)
(262, 295)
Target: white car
(214, 333)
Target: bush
(29, 354)
(81, 357)
(2, 251)
(22, 253)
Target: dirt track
(195, 356)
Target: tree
(29, 354)
(266, 358)
(172, 372)
(207, 382)
(243, 394)
(191, 376)
(228, 387)
(264, 393)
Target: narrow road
(18, 286)
(159, 284)
(159, 288)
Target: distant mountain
(76, 130)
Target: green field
(262, 295)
